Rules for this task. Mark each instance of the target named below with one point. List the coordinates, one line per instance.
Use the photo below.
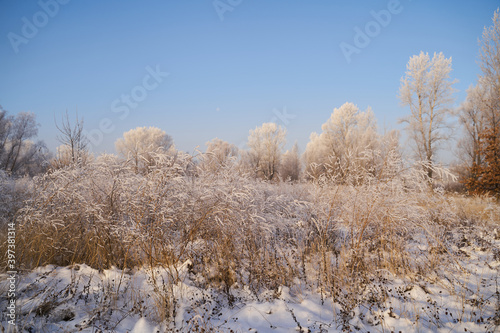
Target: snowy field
(81, 299)
(102, 248)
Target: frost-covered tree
(471, 117)
(138, 144)
(315, 156)
(34, 158)
(427, 90)
(218, 154)
(19, 154)
(489, 61)
(19, 129)
(5, 125)
(343, 146)
(266, 146)
(480, 117)
(387, 155)
(290, 165)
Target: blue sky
(225, 76)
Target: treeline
(350, 146)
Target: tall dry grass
(336, 236)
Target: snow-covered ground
(460, 297)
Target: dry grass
(236, 231)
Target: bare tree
(71, 136)
(266, 146)
(427, 90)
(138, 144)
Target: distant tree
(218, 154)
(138, 144)
(341, 149)
(480, 117)
(74, 143)
(34, 158)
(266, 146)
(388, 155)
(5, 126)
(291, 166)
(427, 90)
(471, 117)
(315, 156)
(489, 61)
(19, 130)
(19, 154)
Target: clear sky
(232, 64)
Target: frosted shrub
(364, 227)
(105, 214)
(231, 229)
(74, 216)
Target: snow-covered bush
(106, 214)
